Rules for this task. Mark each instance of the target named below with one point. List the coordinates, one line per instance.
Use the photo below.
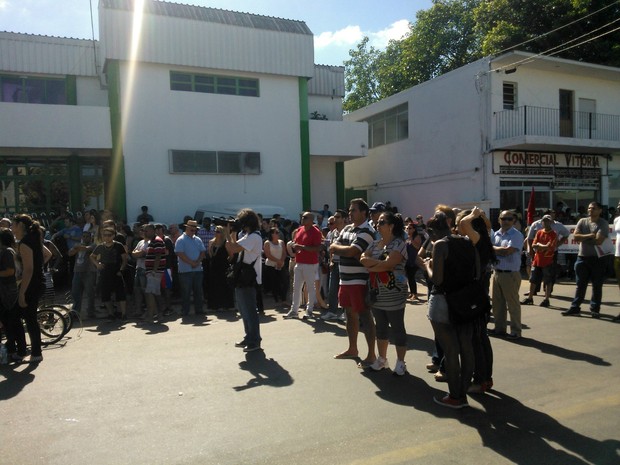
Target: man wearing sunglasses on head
(507, 243)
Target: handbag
(240, 274)
(606, 248)
(468, 303)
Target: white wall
(441, 161)
(90, 92)
(54, 126)
(328, 106)
(159, 119)
(323, 183)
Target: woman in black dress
(220, 294)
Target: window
(389, 126)
(29, 89)
(587, 114)
(225, 85)
(510, 95)
(212, 162)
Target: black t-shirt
(110, 257)
(33, 241)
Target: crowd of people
(360, 266)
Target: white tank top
(276, 251)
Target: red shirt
(311, 237)
(544, 257)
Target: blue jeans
(246, 304)
(83, 284)
(589, 269)
(191, 282)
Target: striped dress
(351, 270)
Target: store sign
(572, 168)
(572, 246)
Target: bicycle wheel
(65, 311)
(52, 325)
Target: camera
(235, 224)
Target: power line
(562, 46)
(557, 29)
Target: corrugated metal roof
(176, 40)
(212, 15)
(327, 80)
(28, 53)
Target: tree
(530, 25)
(453, 33)
(361, 80)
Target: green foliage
(453, 33)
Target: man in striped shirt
(353, 240)
(154, 265)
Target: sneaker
(241, 344)
(343, 317)
(379, 364)
(308, 314)
(251, 348)
(16, 358)
(35, 359)
(400, 369)
(527, 301)
(327, 316)
(513, 336)
(449, 402)
(432, 367)
(545, 303)
(441, 377)
(595, 314)
(291, 314)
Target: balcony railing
(550, 122)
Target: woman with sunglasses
(385, 260)
(220, 296)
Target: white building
(175, 107)
(488, 132)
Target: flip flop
(344, 356)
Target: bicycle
(52, 324)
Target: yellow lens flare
(126, 98)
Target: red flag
(531, 208)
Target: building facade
(174, 107)
(487, 133)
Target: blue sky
(338, 25)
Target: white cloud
(4, 4)
(348, 36)
(395, 31)
(352, 35)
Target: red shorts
(353, 296)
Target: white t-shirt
(253, 246)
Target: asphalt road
(181, 393)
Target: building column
(116, 194)
(304, 126)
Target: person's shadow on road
(14, 380)
(265, 372)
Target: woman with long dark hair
(31, 283)
(475, 225)
(9, 314)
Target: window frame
(214, 84)
(509, 100)
(44, 83)
(248, 162)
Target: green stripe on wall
(116, 194)
(304, 133)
